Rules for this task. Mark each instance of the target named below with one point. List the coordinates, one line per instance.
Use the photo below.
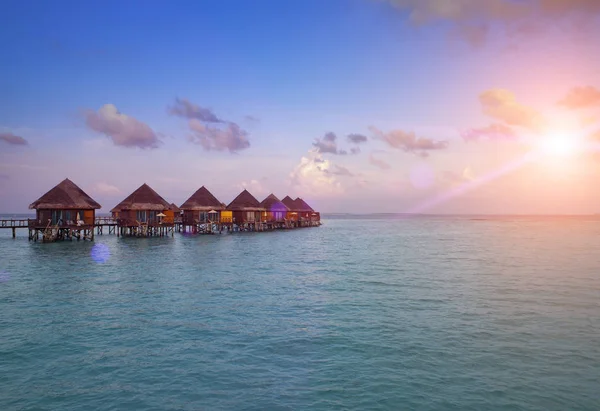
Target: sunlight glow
(559, 145)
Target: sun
(559, 145)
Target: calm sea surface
(424, 314)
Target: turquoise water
(424, 314)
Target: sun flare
(559, 145)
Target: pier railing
(16, 223)
(105, 221)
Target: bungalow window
(250, 216)
(140, 215)
(203, 217)
(152, 217)
(57, 217)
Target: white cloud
(123, 130)
(314, 176)
(105, 188)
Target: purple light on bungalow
(278, 207)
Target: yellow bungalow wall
(170, 216)
(226, 216)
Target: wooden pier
(112, 226)
(13, 224)
(54, 232)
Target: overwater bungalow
(293, 215)
(202, 210)
(144, 213)
(246, 211)
(276, 211)
(176, 210)
(307, 216)
(64, 212)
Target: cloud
(208, 130)
(472, 20)
(308, 177)
(337, 170)
(231, 137)
(328, 144)
(253, 186)
(558, 7)
(105, 188)
(357, 138)
(581, 97)
(453, 177)
(474, 34)
(4, 176)
(186, 109)
(409, 142)
(11, 139)
(123, 130)
(495, 131)
(251, 119)
(502, 105)
(379, 163)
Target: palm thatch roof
(66, 195)
(144, 198)
(303, 207)
(245, 202)
(290, 204)
(272, 203)
(174, 208)
(202, 200)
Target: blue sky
(287, 73)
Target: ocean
(385, 313)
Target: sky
(357, 106)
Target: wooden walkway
(51, 232)
(13, 224)
(27, 223)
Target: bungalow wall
(64, 216)
(226, 216)
(169, 217)
(242, 217)
(133, 217)
(274, 216)
(191, 217)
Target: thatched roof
(272, 203)
(174, 208)
(245, 202)
(144, 198)
(289, 203)
(302, 206)
(202, 200)
(65, 195)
